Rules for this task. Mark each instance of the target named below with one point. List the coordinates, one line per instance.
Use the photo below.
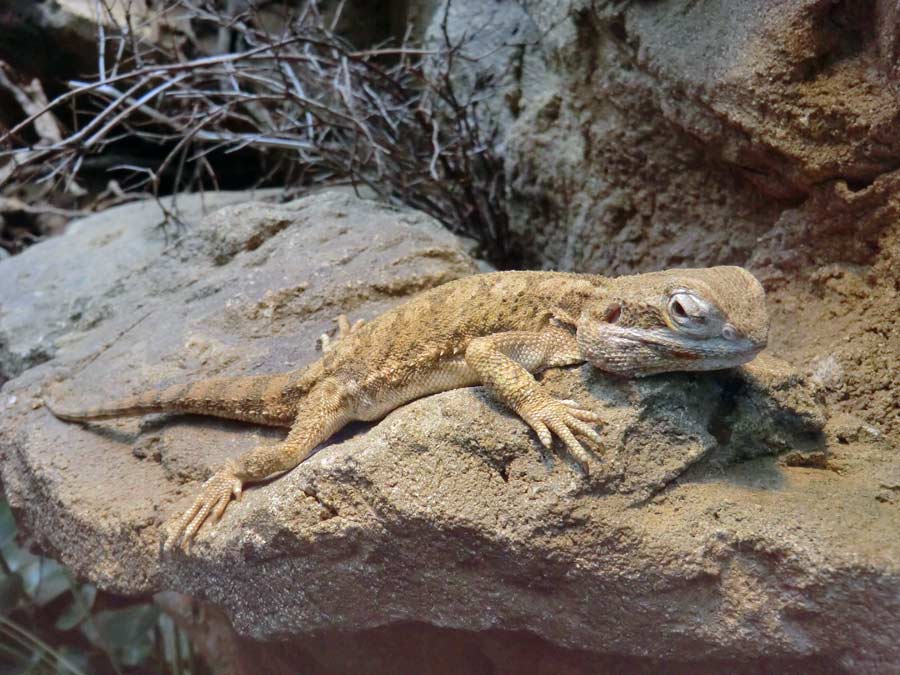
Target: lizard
(496, 329)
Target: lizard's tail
(132, 405)
(262, 399)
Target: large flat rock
(724, 520)
(247, 290)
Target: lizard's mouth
(636, 352)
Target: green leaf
(72, 661)
(7, 524)
(17, 557)
(127, 633)
(45, 580)
(12, 591)
(168, 634)
(79, 608)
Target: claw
(214, 497)
(543, 433)
(343, 330)
(325, 340)
(566, 420)
(343, 326)
(585, 431)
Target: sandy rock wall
(654, 134)
(651, 134)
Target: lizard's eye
(729, 332)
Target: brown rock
(689, 540)
(647, 135)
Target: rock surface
(724, 521)
(643, 135)
(50, 296)
(646, 135)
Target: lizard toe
(214, 497)
(585, 415)
(574, 447)
(564, 420)
(585, 431)
(219, 508)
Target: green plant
(50, 623)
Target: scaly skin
(493, 329)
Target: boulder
(645, 135)
(47, 296)
(246, 290)
(724, 522)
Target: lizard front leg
(323, 412)
(504, 363)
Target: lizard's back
(418, 347)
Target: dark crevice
(329, 510)
(4, 376)
(722, 420)
(858, 185)
(810, 460)
(853, 24)
(843, 31)
(617, 28)
(12, 365)
(864, 181)
(503, 470)
(588, 40)
(386, 649)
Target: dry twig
(310, 107)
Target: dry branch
(311, 108)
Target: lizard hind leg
(214, 498)
(318, 416)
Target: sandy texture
(726, 519)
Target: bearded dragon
(496, 330)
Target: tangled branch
(307, 107)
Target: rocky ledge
(726, 518)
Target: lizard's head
(689, 319)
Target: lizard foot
(566, 419)
(344, 329)
(215, 495)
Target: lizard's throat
(636, 352)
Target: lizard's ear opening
(612, 313)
